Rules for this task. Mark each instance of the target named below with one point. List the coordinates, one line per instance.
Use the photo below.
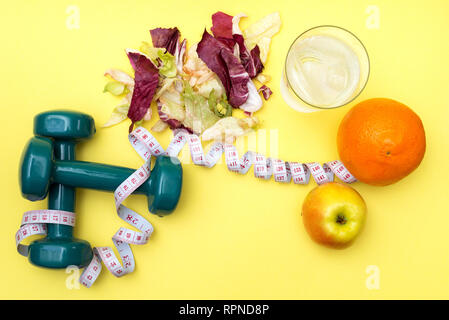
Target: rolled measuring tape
(34, 222)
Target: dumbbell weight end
(59, 249)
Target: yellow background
(232, 236)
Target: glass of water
(326, 67)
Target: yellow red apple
(333, 214)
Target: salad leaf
(121, 77)
(222, 28)
(115, 88)
(174, 111)
(159, 126)
(172, 123)
(169, 39)
(239, 79)
(229, 128)
(254, 101)
(167, 84)
(266, 92)
(250, 60)
(261, 32)
(179, 55)
(226, 29)
(255, 56)
(146, 79)
(199, 117)
(212, 100)
(165, 38)
(165, 62)
(168, 67)
(221, 25)
(173, 96)
(206, 88)
(221, 108)
(150, 51)
(170, 104)
(118, 115)
(195, 70)
(228, 68)
(263, 78)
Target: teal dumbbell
(48, 167)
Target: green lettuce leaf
(168, 67)
(115, 88)
(119, 114)
(199, 116)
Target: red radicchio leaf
(219, 58)
(222, 28)
(146, 79)
(266, 92)
(221, 25)
(255, 55)
(165, 38)
(229, 42)
(250, 60)
(172, 123)
(179, 54)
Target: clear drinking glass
(326, 67)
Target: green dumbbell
(48, 167)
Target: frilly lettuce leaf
(199, 117)
(165, 61)
(119, 114)
(263, 78)
(207, 87)
(174, 111)
(195, 70)
(219, 106)
(159, 126)
(123, 84)
(121, 77)
(115, 88)
(150, 51)
(168, 67)
(229, 128)
(261, 32)
(169, 84)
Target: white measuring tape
(34, 222)
(264, 168)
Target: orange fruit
(380, 141)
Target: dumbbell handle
(90, 175)
(62, 197)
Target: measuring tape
(283, 171)
(34, 222)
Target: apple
(333, 214)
